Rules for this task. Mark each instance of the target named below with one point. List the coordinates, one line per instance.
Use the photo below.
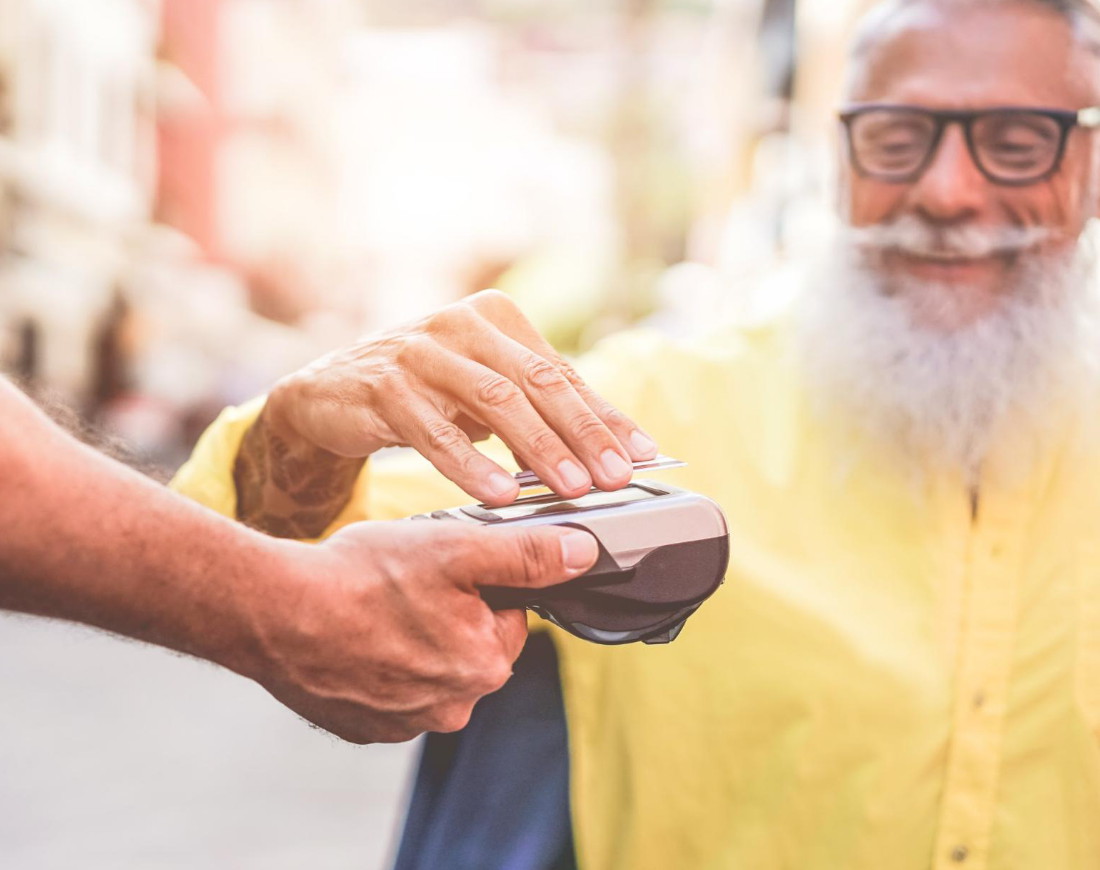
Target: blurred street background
(199, 196)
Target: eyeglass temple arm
(1089, 117)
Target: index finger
(511, 629)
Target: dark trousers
(495, 796)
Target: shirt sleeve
(207, 476)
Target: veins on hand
(288, 488)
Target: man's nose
(952, 187)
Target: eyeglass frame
(1087, 118)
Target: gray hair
(1083, 17)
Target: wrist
(288, 485)
(263, 598)
(280, 410)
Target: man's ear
(1094, 195)
(1094, 188)
(842, 187)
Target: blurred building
(197, 196)
(145, 326)
(251, 160)
(77, 175)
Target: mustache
(911, 235)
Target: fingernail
(642, 443)
(614, 465)
(501, 484)
(572, 475)
(578, 550)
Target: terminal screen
(543, 505)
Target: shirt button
(979, 699)
(959, 853)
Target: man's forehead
(972, 53)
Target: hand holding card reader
(662, 552)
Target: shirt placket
(990, 550)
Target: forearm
(287, 487)
(89, 540)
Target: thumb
(532, 557)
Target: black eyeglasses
(1010, 145)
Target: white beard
(937, 398)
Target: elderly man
(903, 669)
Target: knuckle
(454, 319)
(541, 374)
(617, 419)
(496, 391)
(409, 352)
(535, 562)
(496, 676)
(569, 373)
(444, 436)
(451, 718)
(471, 463)
(490, 300)
(387, 380)
(545, 443)
(587, 427)
(612, 416)
(481, 680)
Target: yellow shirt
(887, 680)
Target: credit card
(527, 479)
